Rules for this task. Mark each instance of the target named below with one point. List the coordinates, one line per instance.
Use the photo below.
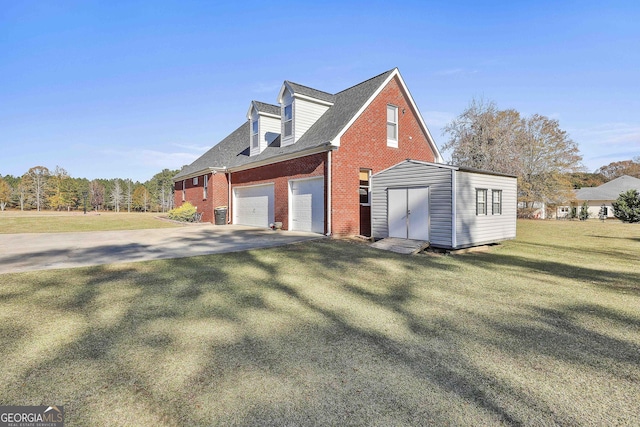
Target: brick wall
(216, 194)
(364, 145)
(279, 174)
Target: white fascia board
(200, 173)
(281, 93)
(249, 112)
(275, 116)
(311, 99)
(281, 158)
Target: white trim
(200, 172)
(282, 158)
(454, 210)
(311, 99)
(328, 209)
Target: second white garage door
(307, 205)
(253, 205)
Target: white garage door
(253, 205)
(307, 205)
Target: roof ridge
(308, 87)
(369, 79)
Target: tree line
(40, 188)
(545, 159)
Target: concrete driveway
(43, 251)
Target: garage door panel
(254, 206)
(307, 205)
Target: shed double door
(408, 213)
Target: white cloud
(607, 142)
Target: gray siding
(409, 174)
(473, 229)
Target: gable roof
(233, 151)
(609, 190)
(309, 91)
(263, 107)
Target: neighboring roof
(609, 190)
(233, 151)
(453, 167)
(267, 108)
(309, 91)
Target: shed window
(496, 198)
(481, 201)
(392, 126)
(365, 186)
(288, 120)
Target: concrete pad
(45, 251)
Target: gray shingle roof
(309, 91)
(263, 107)
(609, 190)
(233, 151)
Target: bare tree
(116, 195)
(129, 194)
(534, 149)
(35, 183)
(96, 194)
(617, 169)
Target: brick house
(307, 162)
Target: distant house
(307, 161)
(604, 194)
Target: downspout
(229, 197)
(329, 207)
(454, 209)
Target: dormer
(300, 108)
(264, 126)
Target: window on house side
(254, 133)
(481, 202)
(392, 126)
(288, 120)
(205, 183)
(496, 199)
(195, 180)
(365, 187)
(184, 190)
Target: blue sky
(126, 88)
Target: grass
(544, 330)
(62, 222)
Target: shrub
(184, 213)
(627, 207)
(584, 212)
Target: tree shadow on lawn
(614, 280)
(244, 339)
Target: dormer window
(255, 137)
(288, 120)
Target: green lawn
(544, 330)
(62, 222)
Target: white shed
(451, 207)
